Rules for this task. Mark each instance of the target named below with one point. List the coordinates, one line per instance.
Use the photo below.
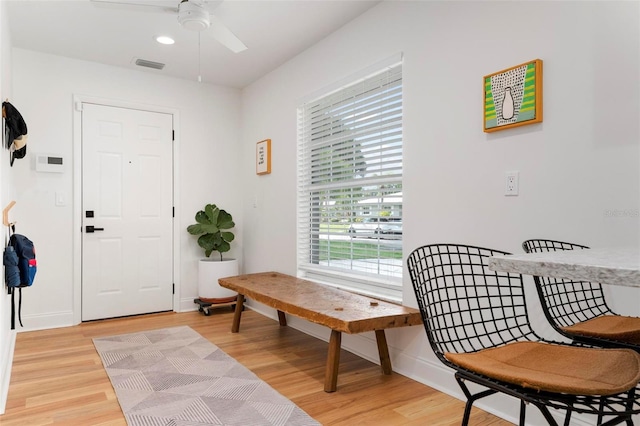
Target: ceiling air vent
(149, 64)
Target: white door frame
(78, 100)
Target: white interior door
(127, 181)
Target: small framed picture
(263, 157)
(513, 97)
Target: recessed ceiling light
(165, 40)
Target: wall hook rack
(5, 214)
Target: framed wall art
(513, 97)
(263, 157)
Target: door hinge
(173, 135)
(173, 212)
(173, 290)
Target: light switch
(61, 200)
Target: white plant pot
(209, 271)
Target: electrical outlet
(511, 183)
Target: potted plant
(213, 227)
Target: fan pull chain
(199, 61)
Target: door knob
(90, 229)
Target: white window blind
(350, 185)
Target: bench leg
(333, 362)
(235, 327)
(282, 319)
(383, 351)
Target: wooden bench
(341, 311)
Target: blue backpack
(20, 268)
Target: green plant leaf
(224, 247)
(227, 236)
(210, 228)
(195, 229)
(207, 242)
(225, 221)
(212, 212)
(201, 217)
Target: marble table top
(618, 266)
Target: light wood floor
(58, 378)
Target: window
(350, 185)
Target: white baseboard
(187, 305)
(5, 369)
(45, 321)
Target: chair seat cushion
(556, 368)
(614, 327)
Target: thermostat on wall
(49, 163)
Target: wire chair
(578, 309)
(468, 309)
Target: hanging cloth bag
(20, 265)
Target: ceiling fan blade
(222, 34)
(144, 5)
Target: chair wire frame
(567, 302)
(466, 307)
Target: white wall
(579, 164)
(44, 86)
(7, 337)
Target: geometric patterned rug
(175, 377)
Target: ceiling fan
(193, 15)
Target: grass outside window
(340, 250)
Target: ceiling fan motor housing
(193, 17)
